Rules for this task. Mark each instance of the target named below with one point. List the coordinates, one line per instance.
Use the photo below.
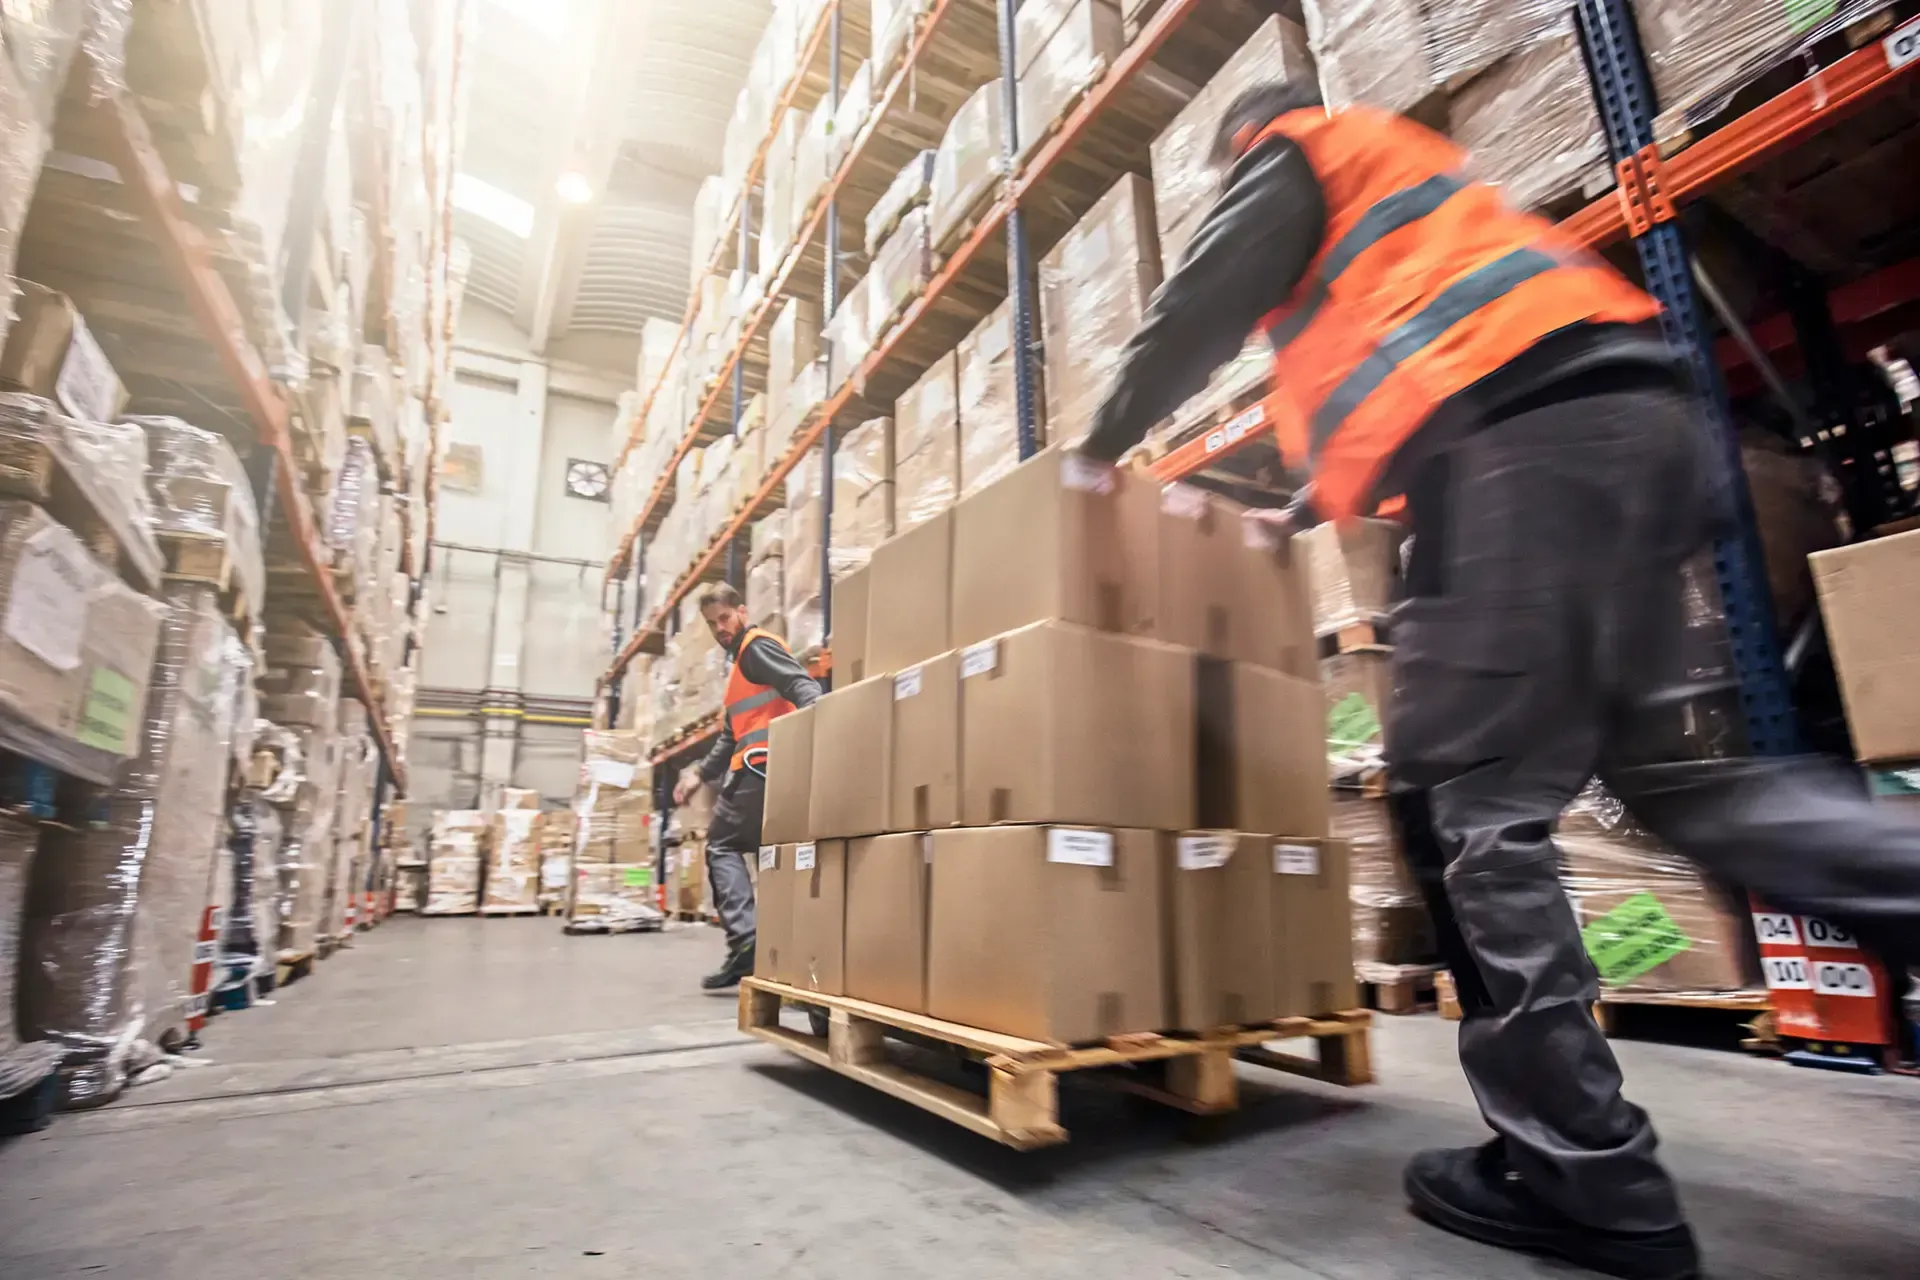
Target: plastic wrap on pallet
(1650, 921)
(513, 861)
(862, 494)
(926, 445)
(279, 763)
(115, 907)
(989, 423)
(1063, 63)
(1354, 568)
(769, 537)
(198, 488)
(765, 595)
(1371, 51)
(105, 464)
(893, 24)
(42, 39)
(850, 334)
(909, 190)
(793, 343)
(25, 135)
(899, 273)
(1465, 37)
(777, 195)
(1185, 181)
(375, 402)
(353, 525)
(970, 160)
(1701, 52)
(1094, 289)
(252, 930)
(614, 799)
(812, 164)
(300, 684)
(1359, 687)
(456, 852)
(1391, 924)
(76, 648)
(856, 104)
(306, 852)
(24, 1062)
(1522, 129)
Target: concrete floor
(482, 1099)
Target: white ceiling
(635, 92)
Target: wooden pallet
(32, 468)
(1362, 635)
(205, 559)
(1021, 1108)
(1610, 1012)
(1399, 988)
(510, 911)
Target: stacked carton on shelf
(514, 851)
(456, 860)
(612, 876)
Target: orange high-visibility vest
(751, 707)
(1425, 283)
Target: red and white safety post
(1825, 990)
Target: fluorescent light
(484, 200)
(546, 16)
(574, 188)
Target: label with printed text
(803, 857)
(1079, 847)
(907, 684)
(978, 659)
(1296, 860)
(769, 857)
(1202, 853)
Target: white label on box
(612, 773)
(1821, 934)
(1296, 860)
(1085, 474)
(906, 684)
(1775, 930)
(1184, 501)
(769, 857)
(1079, 847)
(1202, 853)
(803, 857)
(1832, 978)
(1786, 973)
(47, 612)
(86, 386)
(978, 659)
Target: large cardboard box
(925, 776)
(1222, 938)
(851, 607)
(1354, 568)
(1871, 604)
(926, 441)
(819, 888)
(1313, 947)
(1261, 750)
(1229, 586)
(773, 885)
(50, 352)
(852, 751)
(908, 617)
(1062, 723)
(887, 888)
(784, 817)
(1057, 538)
(1053, 933)
(1095, 287)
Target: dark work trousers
(1540, 644)
(734, 837)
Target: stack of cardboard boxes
(514, 853)
(1080, 790)
(456, 854)
(612, 864)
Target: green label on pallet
(638, 877)
(1632, 938)
(108, 712)
(1351, 722)
(1804, 15)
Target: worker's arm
(713, 766)
(1251, 250)
(766, 662)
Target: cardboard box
(887, 889)
(1229, 586)
(908, 619)
(773, 884)
(1354, 568)
(925, 777)
(1261, 750)
(1222, 938)
(784, 816)
(1095, 287)
(926, 442)
(818, 942)
(1066, 724)
(1053, 933)
(852, 751)
(1872, 611)
(851, 595)
(50, 353)
(1057, 538)
(1313, 946)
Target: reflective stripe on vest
(747, 704)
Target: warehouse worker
(766, 682)
(1433, 343)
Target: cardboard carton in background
(887, 898)
(1871, 605)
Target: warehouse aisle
(458, 1098)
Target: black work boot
(1474, 1192)
(739, 965)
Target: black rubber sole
(1623, 1259)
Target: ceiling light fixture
(574, 188)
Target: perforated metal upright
(1624, 95)
(1019, 274)
(830, 301)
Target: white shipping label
(1080, 848)
(87, 385)
(47, 610)
(1821, 934)
(1202, 853)
(803, 857)
(769, 857)
(1786, 973)
(1775, 929)
(907, 684)
(612, 773)
(1296, 860)
(1832, 978)
(1085, 474)
(978, 659)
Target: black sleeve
(1253, 247)
(766, 662)
(713, 766)
(1300, 510)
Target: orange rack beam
(213, 306)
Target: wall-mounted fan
(587, 480)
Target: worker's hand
(689, 783)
